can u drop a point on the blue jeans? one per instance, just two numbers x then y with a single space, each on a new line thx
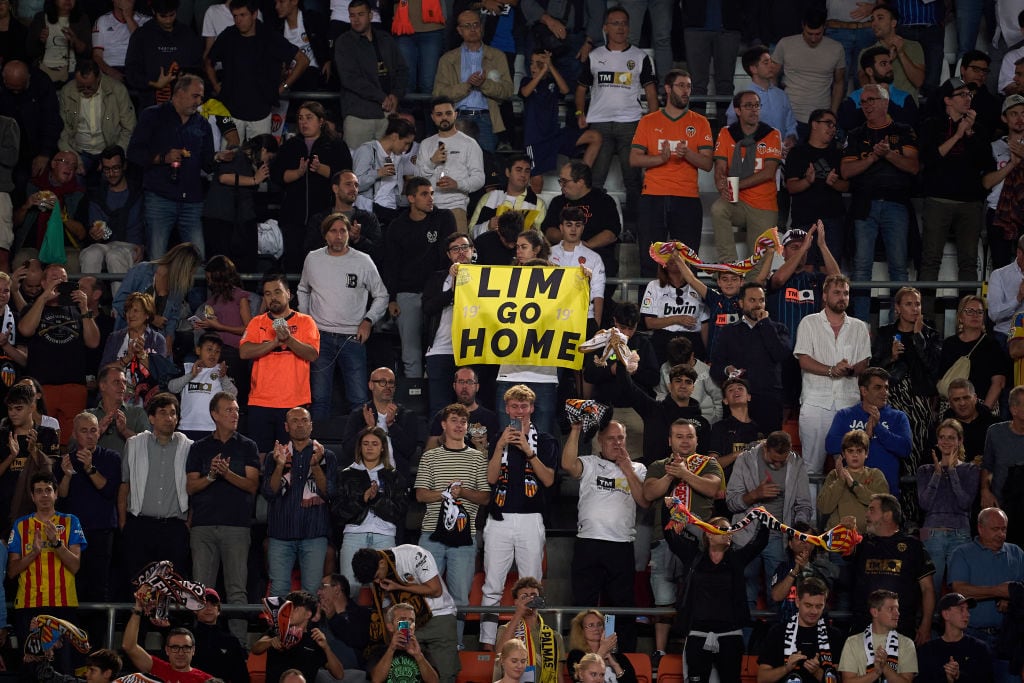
421 52
968 22
853 41
485 129
940 544
890 220
661 29
338 352
544 418
352 543
460 564
163 215
281 556
440 375
768 561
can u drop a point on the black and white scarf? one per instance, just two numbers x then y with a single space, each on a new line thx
824 646
530 488
892 650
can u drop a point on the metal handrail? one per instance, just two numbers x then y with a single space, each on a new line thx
558 611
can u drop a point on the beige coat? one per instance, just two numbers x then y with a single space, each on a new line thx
118 117
448 81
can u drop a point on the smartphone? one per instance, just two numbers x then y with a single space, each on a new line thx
516 424
403 628
609 625
64 290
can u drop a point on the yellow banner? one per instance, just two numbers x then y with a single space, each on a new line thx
520 315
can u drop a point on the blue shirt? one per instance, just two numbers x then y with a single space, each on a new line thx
775 110
94 508
160 130
914 12
722 311
796 299
890 441
471 62
979 566
290 515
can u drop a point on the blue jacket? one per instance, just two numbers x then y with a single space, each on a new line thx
890 442
139 278
158 131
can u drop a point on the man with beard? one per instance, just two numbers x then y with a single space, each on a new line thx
452 161
414 244
974 416
282 344
466 384
397 421
832 348
693 478
754 348
907 56
671 144
876 65
890 559
343 292
517 195
364 231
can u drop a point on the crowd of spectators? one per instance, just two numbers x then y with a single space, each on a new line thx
171 411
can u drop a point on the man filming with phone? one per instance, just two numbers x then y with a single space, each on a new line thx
403 658
544 645
59 328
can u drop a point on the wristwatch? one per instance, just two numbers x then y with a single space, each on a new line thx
91 471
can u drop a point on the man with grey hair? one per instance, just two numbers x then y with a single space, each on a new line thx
982 570
882 161
87 480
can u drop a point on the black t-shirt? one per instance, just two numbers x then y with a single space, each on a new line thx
480 415
222 503
974 659
252 69
895 563
881 180
491 252
819 200
306 656
57 352
404 668
729 435
773 648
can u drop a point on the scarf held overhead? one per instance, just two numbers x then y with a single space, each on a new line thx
838 539
661 253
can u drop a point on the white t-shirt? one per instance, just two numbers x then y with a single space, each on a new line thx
297 37
339 12
112 35
582 256
606 510
195 399
661 302
442 345
415 564
1001 155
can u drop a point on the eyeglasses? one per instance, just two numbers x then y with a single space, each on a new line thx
110 169
562 182
384 382
178 649
751 106
979 69
828 123
722 528
68 162
974 311
870 100
459 248
964 93
465 382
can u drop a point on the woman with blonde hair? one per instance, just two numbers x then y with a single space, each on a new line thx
371 501
588 640
946 490
169 280
512 658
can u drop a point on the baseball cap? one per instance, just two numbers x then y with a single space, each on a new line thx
793 235
210 593
1012 101
954 600
952 85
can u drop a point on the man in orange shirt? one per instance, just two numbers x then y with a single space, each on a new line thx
752 151
671 144
281 344
44 553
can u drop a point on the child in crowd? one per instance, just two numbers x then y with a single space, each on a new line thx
202 379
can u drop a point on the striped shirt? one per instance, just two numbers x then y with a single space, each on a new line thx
441 466
799 297
916 12
46 582
299 510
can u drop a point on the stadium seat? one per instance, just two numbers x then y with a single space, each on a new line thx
477 667
642 665
670 669
748 674
257 666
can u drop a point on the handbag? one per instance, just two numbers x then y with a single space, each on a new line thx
545 40
961 369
